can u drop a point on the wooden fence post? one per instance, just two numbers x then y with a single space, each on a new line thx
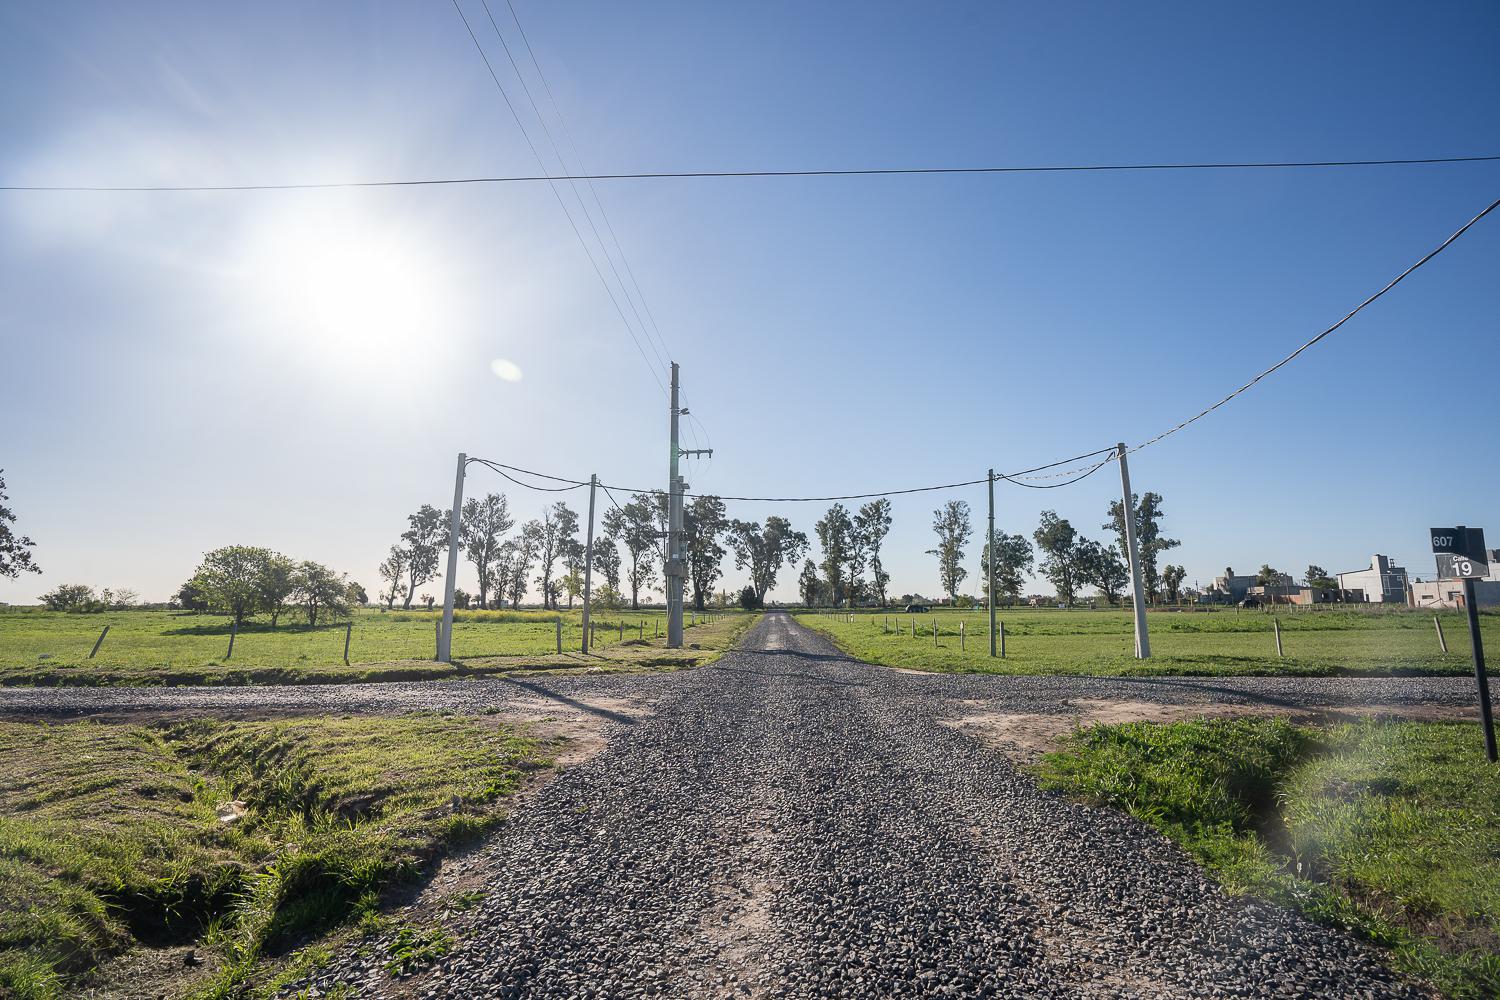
559 635
100 641
1002 640
348 633
1276 627
1442 642
234 630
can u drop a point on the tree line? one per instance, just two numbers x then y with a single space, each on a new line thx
246 581
629 555
851 544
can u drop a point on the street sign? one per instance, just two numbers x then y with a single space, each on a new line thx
1461 554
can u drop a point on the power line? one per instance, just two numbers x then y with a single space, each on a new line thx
1350 315
557 152
582 169
728 174
556 194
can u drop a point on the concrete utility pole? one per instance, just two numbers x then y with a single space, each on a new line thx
675 566
1127 509
992 561
445 633
588 562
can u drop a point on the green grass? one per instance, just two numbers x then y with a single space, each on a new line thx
1215 642
160 647
109 836
1391 830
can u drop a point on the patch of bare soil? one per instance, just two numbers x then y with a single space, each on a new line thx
1025 736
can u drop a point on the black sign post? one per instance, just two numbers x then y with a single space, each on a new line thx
1462 550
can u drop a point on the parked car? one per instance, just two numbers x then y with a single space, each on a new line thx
1250 602
915 609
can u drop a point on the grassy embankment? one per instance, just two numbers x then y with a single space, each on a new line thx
1389 829
1215 642
158 647
111 847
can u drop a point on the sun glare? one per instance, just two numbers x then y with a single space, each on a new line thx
346 286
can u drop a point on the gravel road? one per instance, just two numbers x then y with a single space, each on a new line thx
790 823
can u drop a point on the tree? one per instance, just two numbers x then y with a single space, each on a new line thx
608 597
572 584
703 524
230 578
1102 566
764 550
77 598
634 525
321 591
393 571
835 537
1318 577
950 523
1171 579
15 550
1268 577
461 598
522 551
481 523
559 525
426 537
190 596
355 594
1014 558
607 561
1148 538
809 584
1058 542
274 584
873 523
750 600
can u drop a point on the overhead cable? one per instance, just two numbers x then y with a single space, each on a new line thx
729 174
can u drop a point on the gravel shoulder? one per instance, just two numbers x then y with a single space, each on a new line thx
788 822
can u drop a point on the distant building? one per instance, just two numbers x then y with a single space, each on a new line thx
1383 583
1232 589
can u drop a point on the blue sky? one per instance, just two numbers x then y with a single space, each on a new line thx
298 370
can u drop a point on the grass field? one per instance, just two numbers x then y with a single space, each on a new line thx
1389 829
109 836
161 647
1217 642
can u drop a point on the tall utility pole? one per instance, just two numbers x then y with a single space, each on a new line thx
445 633
1137 584
588 562
991 581
676 486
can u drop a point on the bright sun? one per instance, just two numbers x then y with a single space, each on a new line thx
344 285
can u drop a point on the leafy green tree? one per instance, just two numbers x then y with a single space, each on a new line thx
1102 566
1148 537
634 525
77 598
393 571
426 539
190 596
1057 540
355 594
607 560
608 597
275 583
764 550
572 584
703 524
522 552
1268 577
461 598
750 600
1319 577
321 591
558 536
873 523
482 522
836 540
1014 559
15 550
950 523
1171 579
230 578
809 584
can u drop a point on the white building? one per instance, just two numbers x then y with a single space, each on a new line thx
1450 593
1383 583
